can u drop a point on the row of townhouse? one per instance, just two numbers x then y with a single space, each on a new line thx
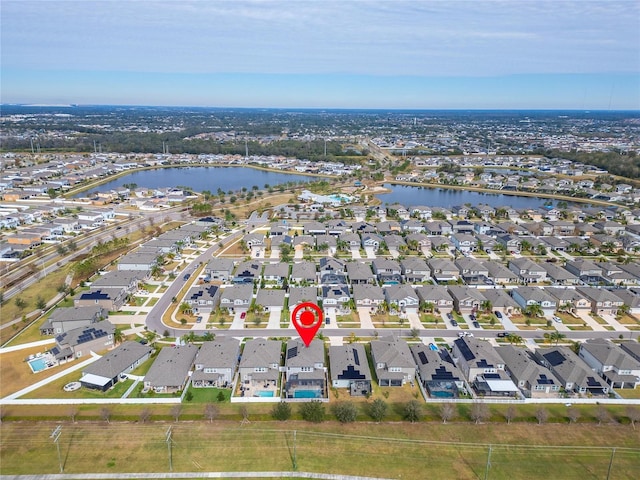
405 299
265 369
547 372
415 270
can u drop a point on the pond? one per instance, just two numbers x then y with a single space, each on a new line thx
201 178
448 198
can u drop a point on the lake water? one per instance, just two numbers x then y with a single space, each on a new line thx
447 198
201 178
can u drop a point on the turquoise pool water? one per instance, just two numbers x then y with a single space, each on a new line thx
38 364
307 394
265 394
441 394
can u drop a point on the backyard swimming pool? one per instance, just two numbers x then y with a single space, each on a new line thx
266 393
38 364
307 394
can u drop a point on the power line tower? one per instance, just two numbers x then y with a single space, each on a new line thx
55 436
169 441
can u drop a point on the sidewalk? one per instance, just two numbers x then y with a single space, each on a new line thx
22 346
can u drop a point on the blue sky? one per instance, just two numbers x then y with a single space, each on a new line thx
325 54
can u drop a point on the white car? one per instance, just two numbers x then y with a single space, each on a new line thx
557 319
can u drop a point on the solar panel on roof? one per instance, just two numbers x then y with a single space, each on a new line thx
465 350
592 382
292 352
554 358
356 359
423 358
491 376
441 373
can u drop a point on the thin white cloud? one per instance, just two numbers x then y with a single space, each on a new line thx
315 37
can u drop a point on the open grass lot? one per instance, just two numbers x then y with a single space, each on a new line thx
379 450
15 374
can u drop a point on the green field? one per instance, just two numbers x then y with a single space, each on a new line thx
391 450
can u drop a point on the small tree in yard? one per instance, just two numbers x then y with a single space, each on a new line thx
176 410
220 397
312 411
73 413
542 415
447 411
41 303
633 414
601 414
145 415
281 411
345 412
479 412
378 410
510 414
413 411
210 412
105 414
573 414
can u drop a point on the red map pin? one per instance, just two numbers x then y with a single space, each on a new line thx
307 318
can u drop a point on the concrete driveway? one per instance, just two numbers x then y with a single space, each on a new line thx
274 317
355 253
275 253
426 252
595 326
394 253
371 252
414 320
365 318
237 323
611 320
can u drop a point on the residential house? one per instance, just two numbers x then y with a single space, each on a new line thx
128 280
610 227
615 275
533 379
372 240
603 302
259 369
618 368
111 299
526 296
387 271
510 243
466 299
393 362
419 240
558 275
247 272
586 270
105 372
169 372
219 269
402 298
439 377
303 273
443 270
203 298
138 260
67 318
275 273
483 367
236 297
415 270
436 295
360 273
298 295
527 271
80 342
216 363
499 274
573 373
569 299
465 242
270 299
502 301
368 296
472 271
395 242
305 373
330 265
336 297
350 369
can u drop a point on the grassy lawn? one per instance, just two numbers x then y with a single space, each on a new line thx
152 301
629 392
208 395
55 389
418 450
627 319
256 320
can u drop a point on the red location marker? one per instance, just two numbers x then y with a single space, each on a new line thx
307 318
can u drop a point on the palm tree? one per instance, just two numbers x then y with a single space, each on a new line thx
557 336
533 310
487 306
118 336
184 307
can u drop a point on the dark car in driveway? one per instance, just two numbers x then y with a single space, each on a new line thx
498 314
